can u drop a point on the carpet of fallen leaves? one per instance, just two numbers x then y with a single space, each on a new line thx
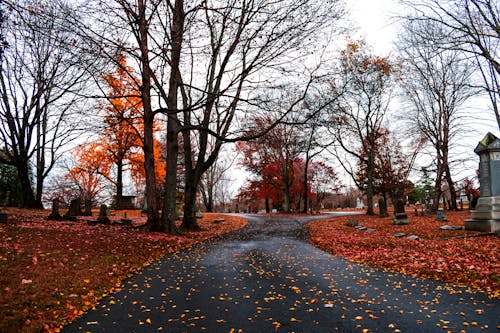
52 271
437 254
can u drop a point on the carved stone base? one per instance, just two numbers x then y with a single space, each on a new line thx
486 216
400 218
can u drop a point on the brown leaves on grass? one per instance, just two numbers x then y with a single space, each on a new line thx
473 262
50 272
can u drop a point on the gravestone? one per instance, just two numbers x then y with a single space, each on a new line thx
440 215
352 222
125 220
124 202
450 227
54 214
74 210
87 207
400 216
103 215
382 206
486 215
4 217
359 203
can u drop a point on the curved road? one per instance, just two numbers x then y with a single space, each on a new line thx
267 278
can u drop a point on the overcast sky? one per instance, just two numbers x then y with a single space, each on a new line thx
374 20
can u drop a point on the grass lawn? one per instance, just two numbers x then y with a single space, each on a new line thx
51 272
468 261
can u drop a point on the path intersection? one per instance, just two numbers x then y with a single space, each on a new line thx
268 278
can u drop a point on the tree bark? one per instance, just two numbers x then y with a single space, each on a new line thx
305 185
153 220
29 200
286 188
369 178
170 191
119 180
189 221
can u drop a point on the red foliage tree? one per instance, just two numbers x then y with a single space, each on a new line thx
391 165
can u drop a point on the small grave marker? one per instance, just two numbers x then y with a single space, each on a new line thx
412 237
103 215
87 207
399 216
125 220
440 215
450 227
399 235
54 214
74 210
352 222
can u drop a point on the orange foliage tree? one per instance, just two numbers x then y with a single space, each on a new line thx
119 146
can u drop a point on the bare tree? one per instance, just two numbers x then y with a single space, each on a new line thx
40 83
314 140
213 183
437 83
202 65
234 51
473 27
358 116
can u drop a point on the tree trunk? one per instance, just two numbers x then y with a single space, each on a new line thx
369 182
40 157
451 187
29 200
170 191
210 205
153 220
192 180
437 192
189 221
305 185
266 203
286 188
119 183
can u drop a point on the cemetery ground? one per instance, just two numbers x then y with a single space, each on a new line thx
462 257
52 271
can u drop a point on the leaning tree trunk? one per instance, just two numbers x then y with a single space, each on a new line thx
449 180
451 187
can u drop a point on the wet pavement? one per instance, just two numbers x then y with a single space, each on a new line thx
268 278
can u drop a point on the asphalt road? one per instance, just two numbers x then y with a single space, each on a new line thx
267 278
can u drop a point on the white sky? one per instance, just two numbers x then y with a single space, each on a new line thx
377 25
374 19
